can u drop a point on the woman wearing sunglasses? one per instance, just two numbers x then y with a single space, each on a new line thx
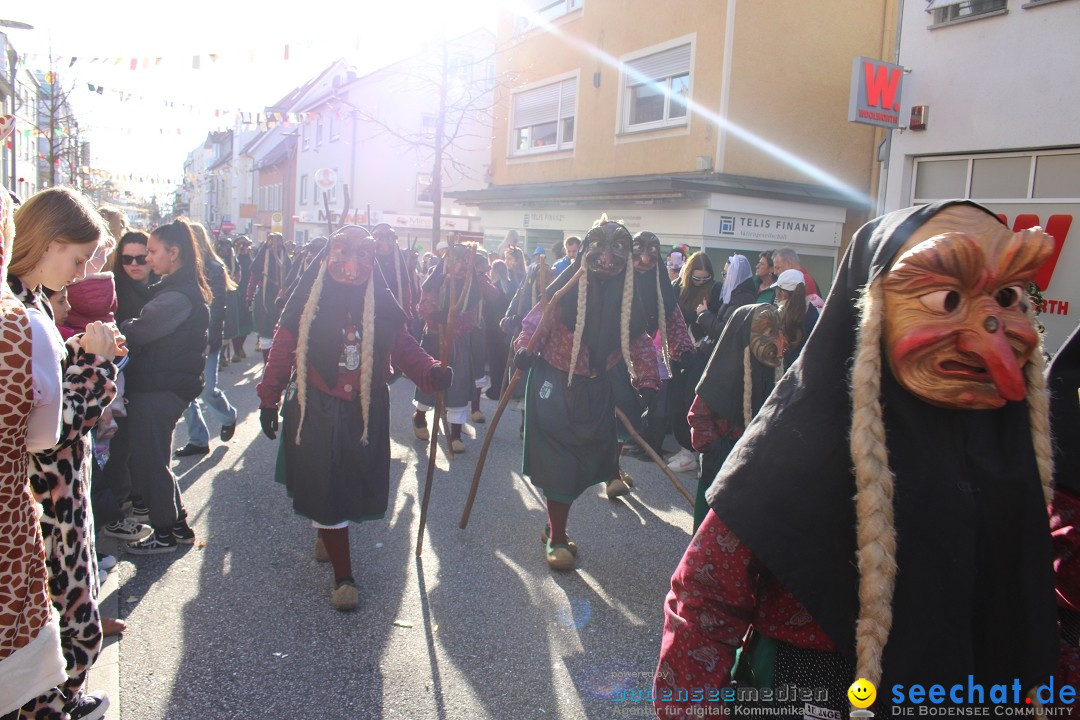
132 274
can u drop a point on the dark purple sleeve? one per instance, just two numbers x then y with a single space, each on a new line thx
413 360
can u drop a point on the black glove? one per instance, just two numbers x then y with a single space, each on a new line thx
442 376
648 398
268 417
523 359
677 366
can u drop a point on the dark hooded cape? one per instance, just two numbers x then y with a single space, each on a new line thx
1063 381
340 305
974 591
603 309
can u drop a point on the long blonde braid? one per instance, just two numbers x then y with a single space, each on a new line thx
747 388
311 307
367 355
661 312
875 485
579 326
624 318
1038 400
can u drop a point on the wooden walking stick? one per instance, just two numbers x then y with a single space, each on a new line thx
530 348
652 453
445 340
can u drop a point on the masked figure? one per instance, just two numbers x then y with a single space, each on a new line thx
339 330
741 373
884 515
570 439
455 274
395 269
655 300
269 273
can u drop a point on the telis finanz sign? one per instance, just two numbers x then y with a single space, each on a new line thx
875 93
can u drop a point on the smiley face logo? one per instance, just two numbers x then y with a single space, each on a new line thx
862 693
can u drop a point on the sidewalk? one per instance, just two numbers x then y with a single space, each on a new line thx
105 674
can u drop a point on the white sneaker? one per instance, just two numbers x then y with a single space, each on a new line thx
683 461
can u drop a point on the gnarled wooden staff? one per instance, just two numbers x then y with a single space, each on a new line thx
445 340
652 453
545 319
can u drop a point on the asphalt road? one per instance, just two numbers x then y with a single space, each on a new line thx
240 625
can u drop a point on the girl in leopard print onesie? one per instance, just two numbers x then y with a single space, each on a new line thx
58 232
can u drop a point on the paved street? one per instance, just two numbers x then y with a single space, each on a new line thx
240 626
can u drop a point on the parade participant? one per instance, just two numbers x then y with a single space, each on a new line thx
478 342
243 260
654 298
395 270
527 295
31 661
857 524
1063 384
338 330
741 373
437 297
269 269
736 290
570 439
305 257
58 234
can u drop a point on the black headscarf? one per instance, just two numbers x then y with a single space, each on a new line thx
603 303
1063 382
974 590
435 283
340 305
721 385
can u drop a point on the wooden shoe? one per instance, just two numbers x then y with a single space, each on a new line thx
320 551
545 537
345 596
478 417
420 429
559 557
457 446
619 486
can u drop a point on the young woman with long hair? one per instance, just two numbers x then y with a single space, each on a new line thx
212 396
59 232
168 355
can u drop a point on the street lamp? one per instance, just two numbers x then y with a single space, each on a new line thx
13 62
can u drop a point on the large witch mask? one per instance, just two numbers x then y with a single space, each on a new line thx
958 326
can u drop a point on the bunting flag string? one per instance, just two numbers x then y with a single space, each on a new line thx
249 55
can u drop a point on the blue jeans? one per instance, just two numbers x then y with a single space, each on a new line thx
213 399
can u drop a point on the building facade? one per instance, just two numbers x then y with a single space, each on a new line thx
1003 131
722 125
377 134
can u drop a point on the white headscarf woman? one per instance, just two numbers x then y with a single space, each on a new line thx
737 272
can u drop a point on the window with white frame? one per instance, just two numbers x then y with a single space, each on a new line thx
332 130
545 11
542 118
303 189
656 88
318 131
947 11
428 124
305 134
1050 175
424 195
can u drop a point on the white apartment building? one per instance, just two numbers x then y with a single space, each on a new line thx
997 80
